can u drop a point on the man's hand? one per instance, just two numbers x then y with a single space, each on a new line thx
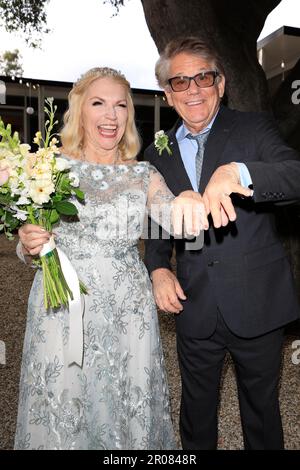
223 182
167 290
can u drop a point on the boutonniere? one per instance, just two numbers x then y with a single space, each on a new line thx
161 142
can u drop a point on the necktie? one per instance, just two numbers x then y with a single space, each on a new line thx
201 140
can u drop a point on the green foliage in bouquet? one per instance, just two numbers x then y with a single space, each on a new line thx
36 188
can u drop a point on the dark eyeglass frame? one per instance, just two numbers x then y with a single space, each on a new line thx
213 73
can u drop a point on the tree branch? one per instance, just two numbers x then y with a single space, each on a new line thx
25 15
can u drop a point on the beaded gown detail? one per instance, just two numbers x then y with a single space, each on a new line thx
119 398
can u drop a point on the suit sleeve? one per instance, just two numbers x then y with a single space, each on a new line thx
158 250
275 172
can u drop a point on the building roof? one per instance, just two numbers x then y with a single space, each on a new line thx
66 85
279 51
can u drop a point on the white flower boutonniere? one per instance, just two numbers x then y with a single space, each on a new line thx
161 142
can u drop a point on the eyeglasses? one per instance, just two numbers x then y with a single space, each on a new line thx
202 80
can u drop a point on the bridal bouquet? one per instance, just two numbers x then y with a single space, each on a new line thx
35 188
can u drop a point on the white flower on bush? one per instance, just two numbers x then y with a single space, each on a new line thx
74 178
62 164
40 190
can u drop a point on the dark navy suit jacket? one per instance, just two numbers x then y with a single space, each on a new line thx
242 269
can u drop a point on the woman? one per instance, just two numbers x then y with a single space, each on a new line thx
118 398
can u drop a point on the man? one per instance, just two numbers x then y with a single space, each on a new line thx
237 293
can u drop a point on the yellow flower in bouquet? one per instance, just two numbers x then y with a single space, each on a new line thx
36 188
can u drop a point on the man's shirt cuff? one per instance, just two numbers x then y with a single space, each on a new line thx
245 177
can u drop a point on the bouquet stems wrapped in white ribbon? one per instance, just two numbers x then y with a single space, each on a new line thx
56 290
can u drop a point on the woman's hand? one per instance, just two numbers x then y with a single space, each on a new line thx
33 237
189 214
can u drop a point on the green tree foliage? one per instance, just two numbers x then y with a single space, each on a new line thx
116 4
26 16
10 64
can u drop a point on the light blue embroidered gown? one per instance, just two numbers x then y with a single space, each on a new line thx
119 398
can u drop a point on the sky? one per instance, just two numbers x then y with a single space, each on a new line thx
87 35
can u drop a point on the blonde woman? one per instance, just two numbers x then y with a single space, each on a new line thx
117 397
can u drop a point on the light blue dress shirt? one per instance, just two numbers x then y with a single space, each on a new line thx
245 177
188 150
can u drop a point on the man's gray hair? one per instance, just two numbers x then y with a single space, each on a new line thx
191 45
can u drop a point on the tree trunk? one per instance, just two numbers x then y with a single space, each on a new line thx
231 27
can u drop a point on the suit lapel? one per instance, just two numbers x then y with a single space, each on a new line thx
174 164
215 144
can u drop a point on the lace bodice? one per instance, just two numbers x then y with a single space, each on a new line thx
118 199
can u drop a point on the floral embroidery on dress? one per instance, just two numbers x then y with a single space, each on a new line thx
119 398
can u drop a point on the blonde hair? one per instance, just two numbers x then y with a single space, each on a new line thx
191 45
72 133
